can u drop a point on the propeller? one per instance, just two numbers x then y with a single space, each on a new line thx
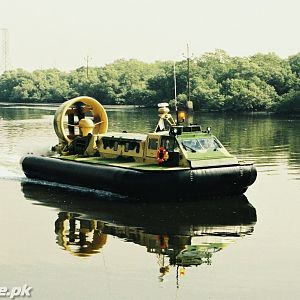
69 114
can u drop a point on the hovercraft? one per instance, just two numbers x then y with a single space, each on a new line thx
173 162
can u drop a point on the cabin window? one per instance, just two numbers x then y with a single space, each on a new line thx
210 144
137 150
169 143
126 147
111 144
194 145
115 145
152 144
105 143
130 146
108 143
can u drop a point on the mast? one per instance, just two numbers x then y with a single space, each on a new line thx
87 59
188 58
175 95
188 71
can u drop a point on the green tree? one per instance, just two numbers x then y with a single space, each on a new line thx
274 71
206 94
294 61
243 95
215 64
51 85
11 83
289 103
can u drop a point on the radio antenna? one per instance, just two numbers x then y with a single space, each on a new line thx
175 94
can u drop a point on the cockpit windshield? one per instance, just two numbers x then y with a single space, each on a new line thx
197 144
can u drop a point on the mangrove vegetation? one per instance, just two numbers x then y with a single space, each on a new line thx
218 82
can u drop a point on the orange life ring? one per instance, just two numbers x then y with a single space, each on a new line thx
162 155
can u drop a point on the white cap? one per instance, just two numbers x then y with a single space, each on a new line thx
164 104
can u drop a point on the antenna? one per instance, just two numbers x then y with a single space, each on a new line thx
188 73
87 59
5 49
188 58
175 94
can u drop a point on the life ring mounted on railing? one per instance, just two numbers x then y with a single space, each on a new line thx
162 155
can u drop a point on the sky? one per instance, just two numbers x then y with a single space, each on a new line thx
62 33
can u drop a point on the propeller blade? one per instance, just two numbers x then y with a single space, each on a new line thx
98 123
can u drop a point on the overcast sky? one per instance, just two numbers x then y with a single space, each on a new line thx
61 33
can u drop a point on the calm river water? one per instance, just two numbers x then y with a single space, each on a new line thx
70 243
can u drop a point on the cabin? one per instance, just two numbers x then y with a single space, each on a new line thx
179 146
143 148
171 144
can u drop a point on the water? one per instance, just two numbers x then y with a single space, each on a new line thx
71 243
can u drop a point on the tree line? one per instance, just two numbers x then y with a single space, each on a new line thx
218 82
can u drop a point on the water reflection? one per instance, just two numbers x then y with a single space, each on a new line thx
180 234
79 236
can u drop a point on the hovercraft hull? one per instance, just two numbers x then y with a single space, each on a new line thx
167 185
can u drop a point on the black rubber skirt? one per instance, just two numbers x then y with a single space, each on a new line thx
167 185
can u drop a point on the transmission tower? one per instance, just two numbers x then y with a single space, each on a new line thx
4 66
